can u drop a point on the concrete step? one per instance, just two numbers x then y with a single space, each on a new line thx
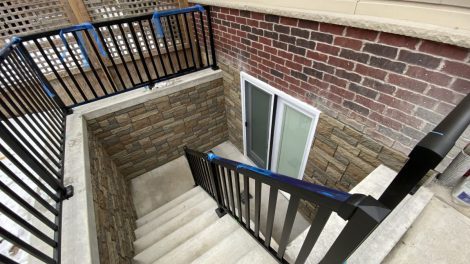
230 249
164 208
258 256
171 241
197 245
207 205
170 214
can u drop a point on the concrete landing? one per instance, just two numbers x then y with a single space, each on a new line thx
161 185
441 234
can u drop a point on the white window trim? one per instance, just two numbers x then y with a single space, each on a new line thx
292 101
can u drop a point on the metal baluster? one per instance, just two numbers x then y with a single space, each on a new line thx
111 58
27 158
152 59
175 48
157 46
257 206
139 50
24 121
25 246
273 191
131 53
23 223
211 38
102 65
288 223
35 81
181 40
224 187
314 232
31 137
36 72
93 70
27 189
18 199
123 61
238 196
79 67
230 188
56 74
190 42
36 93
27 173
247 201
197 42
204 37
66 68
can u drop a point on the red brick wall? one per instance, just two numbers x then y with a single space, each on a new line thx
392 88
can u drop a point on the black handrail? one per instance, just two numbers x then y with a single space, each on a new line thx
428 153
223 179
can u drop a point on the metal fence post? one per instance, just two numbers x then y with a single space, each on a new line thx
211 37
367 216
217 189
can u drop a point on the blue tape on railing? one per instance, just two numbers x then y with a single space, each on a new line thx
211 156
335 194
158 14
81 41
15 40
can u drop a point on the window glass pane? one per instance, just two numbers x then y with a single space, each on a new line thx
294 135
259 115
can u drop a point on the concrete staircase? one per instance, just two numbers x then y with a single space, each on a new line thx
187 230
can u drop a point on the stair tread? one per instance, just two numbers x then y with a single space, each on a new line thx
201 242
171 204
178 222
170 214
176 238
230 249
258 256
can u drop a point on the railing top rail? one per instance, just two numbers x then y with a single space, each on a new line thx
127 19
342 203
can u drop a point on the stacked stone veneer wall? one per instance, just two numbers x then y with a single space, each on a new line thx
145 136
391 88
114 211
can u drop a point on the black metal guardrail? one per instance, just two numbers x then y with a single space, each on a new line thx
110 57
96 61
228 182
32 132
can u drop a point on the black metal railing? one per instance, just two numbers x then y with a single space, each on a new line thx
119 55
228 182
44 75
428 153
32 132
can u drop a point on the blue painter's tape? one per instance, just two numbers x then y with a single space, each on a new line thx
158 14
437 133
211 156
15 40
81 41
334 194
